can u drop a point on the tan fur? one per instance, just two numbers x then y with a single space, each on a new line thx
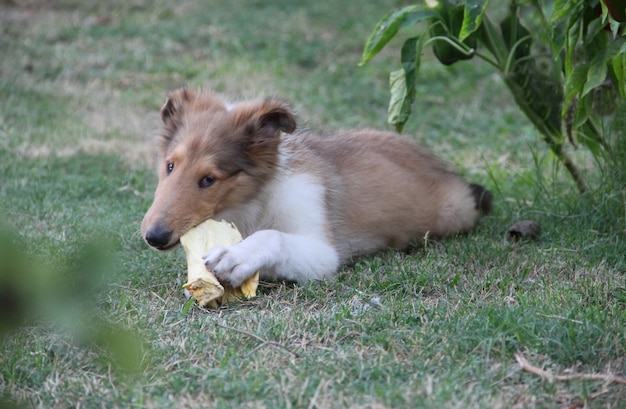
386 192
379 190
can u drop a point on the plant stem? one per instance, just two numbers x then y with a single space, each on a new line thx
523 95
570 166
486 58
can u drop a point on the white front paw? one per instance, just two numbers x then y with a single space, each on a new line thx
230 265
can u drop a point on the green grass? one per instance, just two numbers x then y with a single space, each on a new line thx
93 318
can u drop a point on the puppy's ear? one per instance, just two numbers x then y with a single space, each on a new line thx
268 120
277 119
172 109
172 113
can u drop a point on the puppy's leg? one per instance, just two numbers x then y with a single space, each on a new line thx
277 255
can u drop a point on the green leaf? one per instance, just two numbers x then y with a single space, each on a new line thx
402 83
387 28
585 136
596 74
399 103
558 34
562 8
472 17
594 27
574 85
410 54
583 110
565 25
616 27
618 69
417 16
598 67
571 40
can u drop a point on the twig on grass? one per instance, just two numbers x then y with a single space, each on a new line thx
608 378
262 341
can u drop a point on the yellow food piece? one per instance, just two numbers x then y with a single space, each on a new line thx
202 283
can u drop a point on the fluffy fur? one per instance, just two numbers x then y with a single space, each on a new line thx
304 203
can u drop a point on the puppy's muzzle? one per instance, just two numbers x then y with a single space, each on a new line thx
159 237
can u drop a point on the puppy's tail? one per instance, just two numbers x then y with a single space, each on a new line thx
482 197
462 207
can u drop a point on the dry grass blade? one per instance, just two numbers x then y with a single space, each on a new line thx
608 378
559 318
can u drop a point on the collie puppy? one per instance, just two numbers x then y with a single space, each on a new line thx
304 203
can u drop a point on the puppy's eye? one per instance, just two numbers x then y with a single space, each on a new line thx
169 167
206 181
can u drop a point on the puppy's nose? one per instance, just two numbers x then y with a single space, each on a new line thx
158 237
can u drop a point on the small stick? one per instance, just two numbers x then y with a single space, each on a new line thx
608 378
263 341
526 366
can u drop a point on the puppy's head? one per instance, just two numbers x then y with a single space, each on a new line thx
214 157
